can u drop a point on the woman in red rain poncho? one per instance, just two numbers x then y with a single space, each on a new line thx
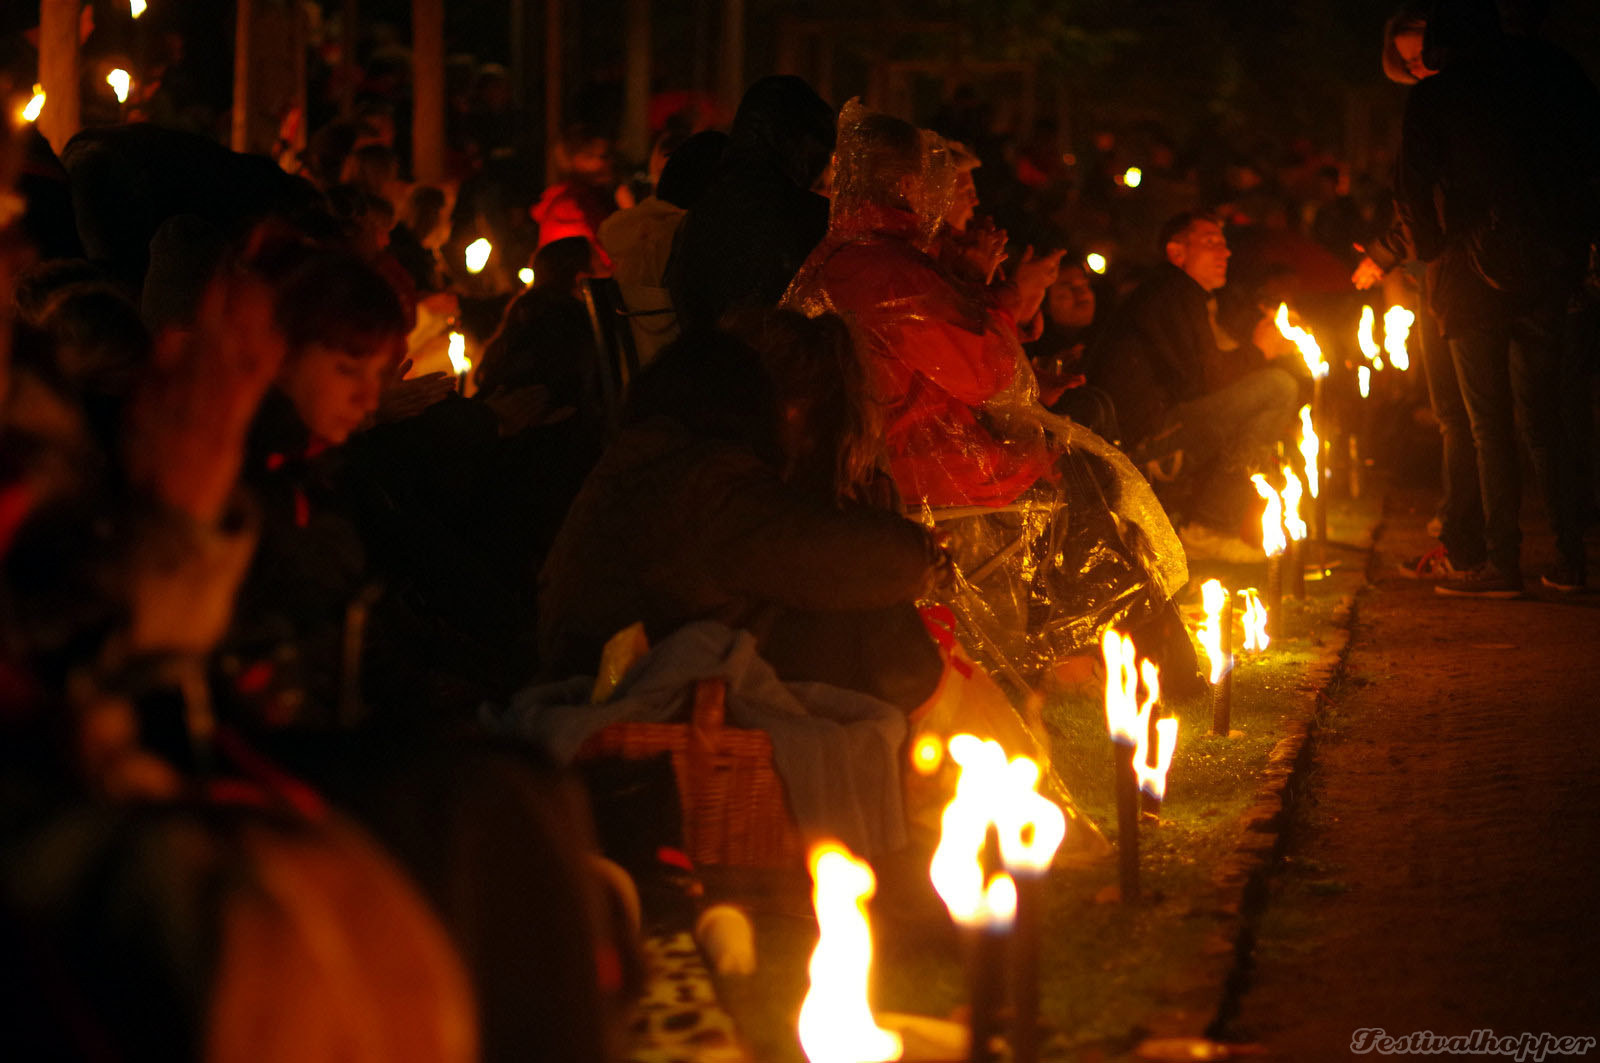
963 427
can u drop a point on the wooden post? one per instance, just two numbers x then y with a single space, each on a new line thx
58 70
244 104
350 35
552 86
635 140
427 90
731 83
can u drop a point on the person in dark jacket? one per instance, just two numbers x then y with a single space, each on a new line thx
688 517
1496 188
743 242
1182 385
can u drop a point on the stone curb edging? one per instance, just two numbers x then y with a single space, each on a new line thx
1242 878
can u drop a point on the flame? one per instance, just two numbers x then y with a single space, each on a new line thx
1212 595
1397 321
525 275
1031 826
1133 177
1369 345
137 7
120 83
1364 380
927 753
1272 540
478 255
1255 621
1095 261
459 362
1310 451
1122 683
957 869
31 109
1292 493
1310 351
836 1023
1153 777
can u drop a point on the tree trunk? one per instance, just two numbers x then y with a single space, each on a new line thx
732 81
635 141
427 90
552 86
58 70
244 104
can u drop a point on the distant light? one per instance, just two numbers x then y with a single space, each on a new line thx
137 6
478 255
1133 177
120 83
1070 159
459 362
1095 261
1364 380
525 275
30 111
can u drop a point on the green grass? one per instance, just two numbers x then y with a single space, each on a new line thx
1106 967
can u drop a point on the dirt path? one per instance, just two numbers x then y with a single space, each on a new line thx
1442 875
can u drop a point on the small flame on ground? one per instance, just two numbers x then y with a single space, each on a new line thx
137 7
1272 540
1397 322
1292 493
120 83
1364 336
1153 777
525 275
1212 595
1133 177
1095 261
957 869
478 255
31 109
1255 621
1122 685
1030 825
836 1023
1310 350
1310 451
459 362
1364 380
927 753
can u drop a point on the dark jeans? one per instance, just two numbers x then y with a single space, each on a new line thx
1221 435
1512 375
1461 508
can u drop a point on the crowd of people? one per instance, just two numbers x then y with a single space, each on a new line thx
302 630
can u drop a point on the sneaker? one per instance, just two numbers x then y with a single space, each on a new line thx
1485 581
1435 564
1207 544
1566 578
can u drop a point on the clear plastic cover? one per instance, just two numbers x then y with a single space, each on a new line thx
1055 533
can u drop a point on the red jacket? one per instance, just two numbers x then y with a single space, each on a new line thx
934 352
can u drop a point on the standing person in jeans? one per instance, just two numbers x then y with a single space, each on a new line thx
1459 517
1495 183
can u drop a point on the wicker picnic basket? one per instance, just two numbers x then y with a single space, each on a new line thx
734 809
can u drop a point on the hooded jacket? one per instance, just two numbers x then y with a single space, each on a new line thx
1499 159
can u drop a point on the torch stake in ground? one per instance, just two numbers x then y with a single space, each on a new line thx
1222 689
1127 785
1025 968
1275 595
